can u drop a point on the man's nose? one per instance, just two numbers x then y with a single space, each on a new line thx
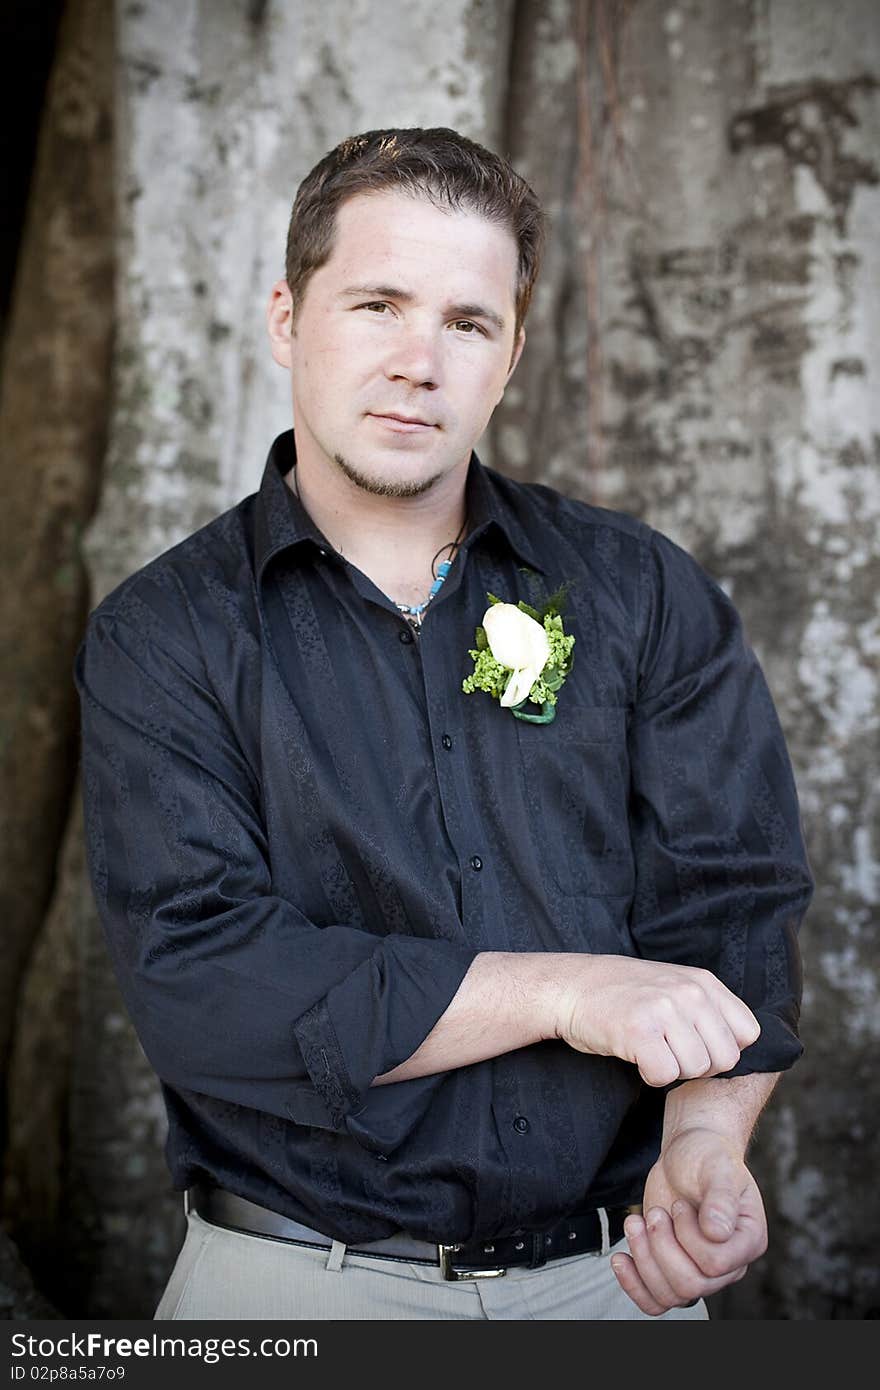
415 357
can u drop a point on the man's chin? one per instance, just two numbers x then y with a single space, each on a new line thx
379 486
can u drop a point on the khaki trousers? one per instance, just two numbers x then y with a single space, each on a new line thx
227 1275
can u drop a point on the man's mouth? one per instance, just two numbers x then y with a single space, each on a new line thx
405 424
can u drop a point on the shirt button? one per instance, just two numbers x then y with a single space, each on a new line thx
405 635
476 862
446 741
521 1124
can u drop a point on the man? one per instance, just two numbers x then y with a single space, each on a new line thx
456 1014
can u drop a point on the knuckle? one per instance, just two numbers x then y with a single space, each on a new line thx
662 1010
706 981
714 1264
644 1029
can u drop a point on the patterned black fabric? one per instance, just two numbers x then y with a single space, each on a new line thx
300 833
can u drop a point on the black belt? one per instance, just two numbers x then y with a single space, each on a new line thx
572 1235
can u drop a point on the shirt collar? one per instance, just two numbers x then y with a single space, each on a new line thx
283 523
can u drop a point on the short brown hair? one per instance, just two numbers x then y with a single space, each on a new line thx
438 164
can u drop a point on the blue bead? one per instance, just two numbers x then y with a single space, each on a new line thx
444 567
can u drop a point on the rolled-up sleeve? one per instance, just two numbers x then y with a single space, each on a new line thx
722 873
233 992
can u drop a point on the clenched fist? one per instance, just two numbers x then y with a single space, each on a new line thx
673 1021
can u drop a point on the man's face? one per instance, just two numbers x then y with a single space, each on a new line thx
412 316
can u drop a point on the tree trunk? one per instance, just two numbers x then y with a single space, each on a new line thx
740 328
53 416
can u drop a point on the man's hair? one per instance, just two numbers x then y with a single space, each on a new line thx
452 172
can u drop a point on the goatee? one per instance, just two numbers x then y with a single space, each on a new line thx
380 487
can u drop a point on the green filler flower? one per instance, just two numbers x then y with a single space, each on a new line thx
522 656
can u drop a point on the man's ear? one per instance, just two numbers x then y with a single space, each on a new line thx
517 354
279 320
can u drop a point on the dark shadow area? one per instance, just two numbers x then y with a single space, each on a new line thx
28 32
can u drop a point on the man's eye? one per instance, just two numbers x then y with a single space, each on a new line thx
465 324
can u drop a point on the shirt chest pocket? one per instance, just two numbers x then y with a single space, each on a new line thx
576 779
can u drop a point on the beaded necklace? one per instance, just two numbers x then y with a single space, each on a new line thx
414 613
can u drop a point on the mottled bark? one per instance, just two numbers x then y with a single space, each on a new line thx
542 419
740 325
53 413
53 409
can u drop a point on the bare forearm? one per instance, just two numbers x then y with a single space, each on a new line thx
670 1020
728 1105
505 1001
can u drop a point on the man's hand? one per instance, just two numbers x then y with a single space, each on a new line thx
704 1224
672 1021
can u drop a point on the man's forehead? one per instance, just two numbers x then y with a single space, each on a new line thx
408 226
398 215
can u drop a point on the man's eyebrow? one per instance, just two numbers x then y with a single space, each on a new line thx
464 311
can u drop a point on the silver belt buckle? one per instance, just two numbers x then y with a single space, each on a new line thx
448 1270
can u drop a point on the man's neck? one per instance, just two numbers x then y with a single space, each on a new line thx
393 540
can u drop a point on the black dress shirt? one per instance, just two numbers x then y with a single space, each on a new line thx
301 831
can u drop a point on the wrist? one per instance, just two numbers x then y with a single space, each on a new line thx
728 1107
541 981
572 979
700 1143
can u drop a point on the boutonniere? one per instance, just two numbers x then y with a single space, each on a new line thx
522 656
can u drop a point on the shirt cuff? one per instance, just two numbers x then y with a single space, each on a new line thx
376 1018
777 1049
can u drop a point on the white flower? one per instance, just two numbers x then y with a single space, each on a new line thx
518 642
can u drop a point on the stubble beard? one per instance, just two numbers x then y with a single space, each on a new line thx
381 487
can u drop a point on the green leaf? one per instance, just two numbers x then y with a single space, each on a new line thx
527 608
482 639
493 598
556 602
